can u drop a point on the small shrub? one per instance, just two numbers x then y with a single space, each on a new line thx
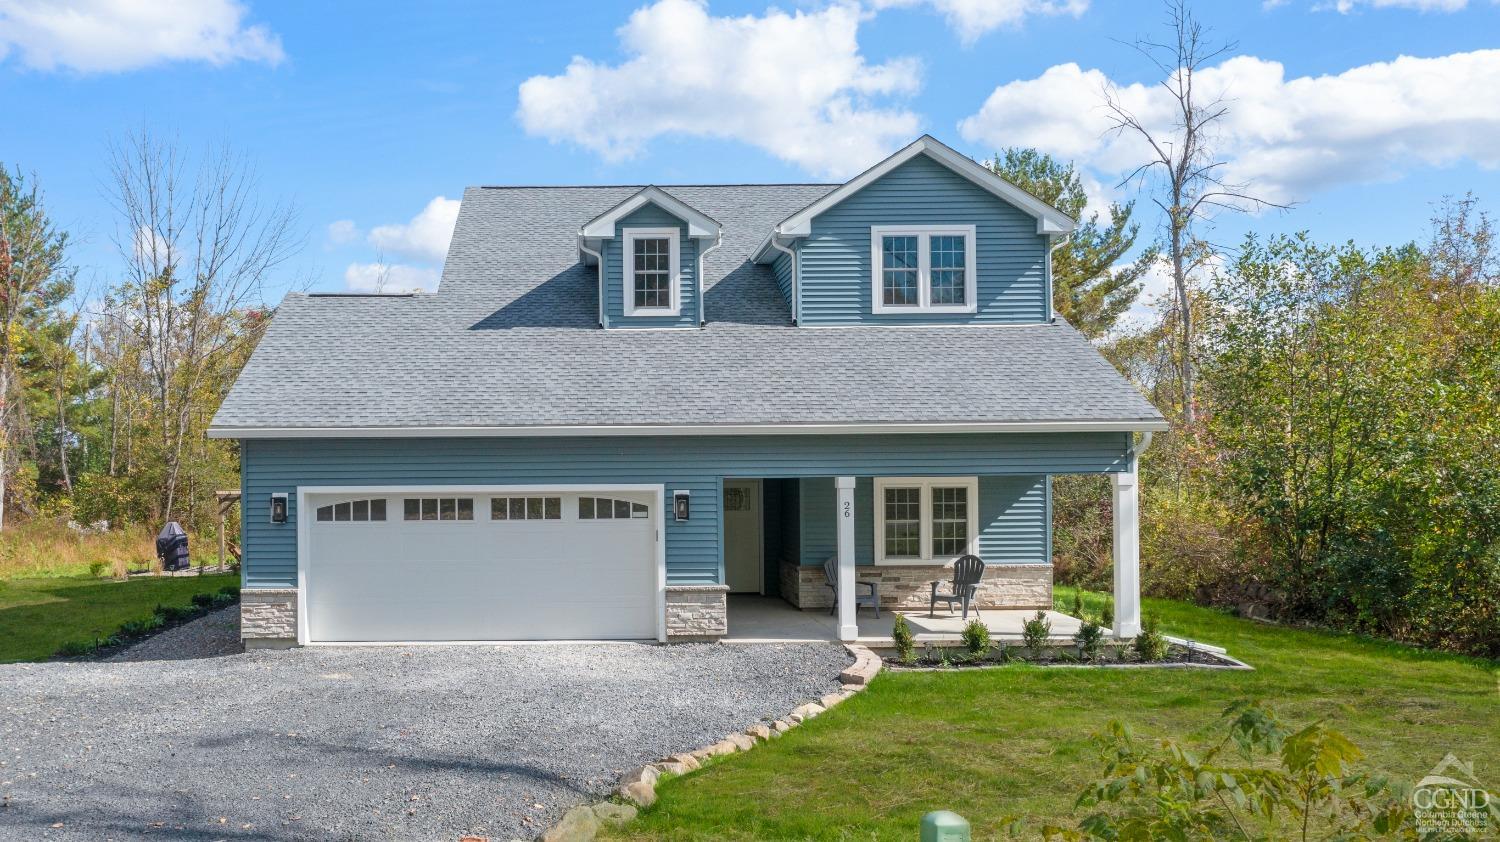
1035 633
976 637
203 600
1090 638
97 568
231 590
901 634
220 600
133 628
1150 645
172 614
75 649
1107 613
1078 603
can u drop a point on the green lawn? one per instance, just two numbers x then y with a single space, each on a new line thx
39 615
1015 740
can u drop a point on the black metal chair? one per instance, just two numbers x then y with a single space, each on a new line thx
871 599
967 571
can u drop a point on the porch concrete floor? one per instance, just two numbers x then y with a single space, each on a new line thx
761 619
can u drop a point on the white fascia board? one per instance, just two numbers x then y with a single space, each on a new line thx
699 224
1120 426
1049 220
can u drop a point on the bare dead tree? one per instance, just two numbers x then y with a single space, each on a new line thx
1183 170
198 249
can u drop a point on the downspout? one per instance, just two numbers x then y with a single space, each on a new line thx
1056 242
718 241
796 284
1137 448
598 261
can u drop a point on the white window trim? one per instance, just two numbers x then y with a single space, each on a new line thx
924 234
925 542
628 237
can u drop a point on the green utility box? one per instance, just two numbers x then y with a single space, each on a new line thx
944 826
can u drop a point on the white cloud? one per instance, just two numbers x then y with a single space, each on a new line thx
1344 7
1286 137
390 277
973 18
794 85
425 237
97 36
342 232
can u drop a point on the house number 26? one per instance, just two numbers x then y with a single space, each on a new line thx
848 509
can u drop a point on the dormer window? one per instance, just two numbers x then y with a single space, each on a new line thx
922 268
652 271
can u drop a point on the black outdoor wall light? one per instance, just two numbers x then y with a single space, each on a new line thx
680 507
278 508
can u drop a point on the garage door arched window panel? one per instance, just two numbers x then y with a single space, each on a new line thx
609 508
438 508
525 508
353 511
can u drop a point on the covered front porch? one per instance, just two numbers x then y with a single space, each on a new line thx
802 554
770 619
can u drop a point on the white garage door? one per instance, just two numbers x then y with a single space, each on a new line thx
444 566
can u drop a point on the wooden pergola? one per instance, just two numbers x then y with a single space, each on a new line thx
227 501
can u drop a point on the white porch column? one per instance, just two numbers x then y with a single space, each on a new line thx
1127 552
848 624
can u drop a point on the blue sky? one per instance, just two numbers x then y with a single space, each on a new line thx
373 117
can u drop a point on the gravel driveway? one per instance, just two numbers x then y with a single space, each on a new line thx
364 743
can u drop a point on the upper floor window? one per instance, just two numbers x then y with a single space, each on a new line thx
922 268
652 267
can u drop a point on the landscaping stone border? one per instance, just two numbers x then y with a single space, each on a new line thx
637 788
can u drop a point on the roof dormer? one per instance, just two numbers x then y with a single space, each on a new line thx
649 249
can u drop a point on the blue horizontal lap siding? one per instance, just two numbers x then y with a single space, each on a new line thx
1014 520
836 261
692 463
650 216
782 266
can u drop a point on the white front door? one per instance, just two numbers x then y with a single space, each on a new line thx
743 566
433 565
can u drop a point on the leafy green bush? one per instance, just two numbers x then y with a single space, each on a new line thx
1287 785
203 600
1150 645
1090 639
1078 603
901 634
221 600
1035 634
172 614
976 637
1107 613
231 590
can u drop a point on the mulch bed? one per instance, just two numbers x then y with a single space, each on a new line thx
1178 656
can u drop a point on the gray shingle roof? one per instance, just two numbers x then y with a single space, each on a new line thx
511 339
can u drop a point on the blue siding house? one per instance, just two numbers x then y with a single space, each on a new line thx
625 406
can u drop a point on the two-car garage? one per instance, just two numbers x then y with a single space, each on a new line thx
502 563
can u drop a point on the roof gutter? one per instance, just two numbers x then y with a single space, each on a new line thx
796 301
555 431
599 262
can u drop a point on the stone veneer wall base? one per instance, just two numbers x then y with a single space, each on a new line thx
268 618
1027 586
697 613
